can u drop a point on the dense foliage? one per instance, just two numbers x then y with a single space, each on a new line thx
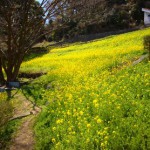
6 112
93 97
97 16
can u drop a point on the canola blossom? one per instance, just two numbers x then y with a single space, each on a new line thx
97 99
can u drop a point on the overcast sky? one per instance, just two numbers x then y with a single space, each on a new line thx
39 0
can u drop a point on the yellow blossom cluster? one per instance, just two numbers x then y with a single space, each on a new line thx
98 99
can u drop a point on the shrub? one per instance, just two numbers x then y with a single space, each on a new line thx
5 110
5 114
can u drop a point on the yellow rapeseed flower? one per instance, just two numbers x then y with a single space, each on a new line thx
53 140
88 125
99 121
81 113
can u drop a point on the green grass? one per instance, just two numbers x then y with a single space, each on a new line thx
6 133
7 128
92 96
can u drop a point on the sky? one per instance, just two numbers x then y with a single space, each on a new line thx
39 1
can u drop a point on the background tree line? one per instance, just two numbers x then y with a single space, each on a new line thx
90 17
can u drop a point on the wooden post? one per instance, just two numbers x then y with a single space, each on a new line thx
147 44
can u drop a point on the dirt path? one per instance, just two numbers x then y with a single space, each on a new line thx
24 110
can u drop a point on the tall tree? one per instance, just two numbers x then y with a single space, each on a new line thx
21 23
95 16
78 15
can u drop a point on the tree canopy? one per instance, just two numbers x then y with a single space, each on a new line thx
88 17
22 23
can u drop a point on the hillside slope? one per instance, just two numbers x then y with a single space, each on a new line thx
92 97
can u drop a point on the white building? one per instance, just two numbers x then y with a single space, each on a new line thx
146 16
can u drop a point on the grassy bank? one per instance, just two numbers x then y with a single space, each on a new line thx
92 97
7 128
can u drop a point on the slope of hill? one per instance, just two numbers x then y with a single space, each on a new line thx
92 97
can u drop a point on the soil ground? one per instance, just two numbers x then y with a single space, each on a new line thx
24 110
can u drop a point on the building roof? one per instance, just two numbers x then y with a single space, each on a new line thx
146 10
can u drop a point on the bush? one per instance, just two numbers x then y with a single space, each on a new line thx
147 44
5 110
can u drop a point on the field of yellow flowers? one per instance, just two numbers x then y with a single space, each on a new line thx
92 97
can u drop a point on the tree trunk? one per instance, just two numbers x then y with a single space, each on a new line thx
13 71
2 80
9 76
